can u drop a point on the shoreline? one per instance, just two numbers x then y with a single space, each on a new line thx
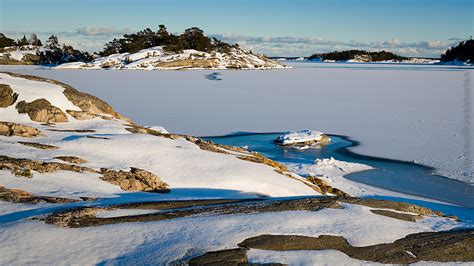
348 152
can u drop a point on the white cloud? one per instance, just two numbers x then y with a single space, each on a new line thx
101 31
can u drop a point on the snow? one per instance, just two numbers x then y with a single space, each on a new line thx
333 171
180 163
122 212
189 100
300 137
150 59
27 241
29 91
159 129
17 53
304 257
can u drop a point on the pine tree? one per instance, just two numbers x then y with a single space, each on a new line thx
34 40
53 43
5 41
22 41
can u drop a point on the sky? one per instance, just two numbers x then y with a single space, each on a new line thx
273 27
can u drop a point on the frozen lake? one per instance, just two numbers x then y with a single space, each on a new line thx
405 112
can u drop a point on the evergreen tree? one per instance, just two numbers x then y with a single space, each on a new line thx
53 43
34 40
5 41
464 51
22 41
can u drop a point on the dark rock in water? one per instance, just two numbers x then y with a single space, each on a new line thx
7 96
13 129
237 256
135 180
41 110
445 246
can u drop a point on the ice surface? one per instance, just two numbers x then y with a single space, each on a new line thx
406 112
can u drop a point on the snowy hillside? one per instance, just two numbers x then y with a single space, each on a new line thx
157 58
82 184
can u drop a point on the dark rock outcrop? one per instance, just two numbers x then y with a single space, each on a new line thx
7 96
13 129
20 196
237 256
178 209
41 110
446 246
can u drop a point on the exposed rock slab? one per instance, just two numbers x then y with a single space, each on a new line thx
20 196
397 215
39 145
237 256
134 180
446 246
41 110
13 129
71 159
7 96
178 209
14 164
72 130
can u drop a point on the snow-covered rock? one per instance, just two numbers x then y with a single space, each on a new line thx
157 58
105 140
303 137
26 54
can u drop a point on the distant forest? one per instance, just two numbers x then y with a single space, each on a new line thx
352 54
464 51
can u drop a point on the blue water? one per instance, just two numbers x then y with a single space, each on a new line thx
399 176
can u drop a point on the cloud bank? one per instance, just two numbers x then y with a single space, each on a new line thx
305 46
93 39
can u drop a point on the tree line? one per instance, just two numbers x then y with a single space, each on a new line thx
191 38
352 54
464 51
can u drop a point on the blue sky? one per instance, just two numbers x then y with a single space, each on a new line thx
274 27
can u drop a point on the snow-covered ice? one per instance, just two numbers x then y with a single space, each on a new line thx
405 112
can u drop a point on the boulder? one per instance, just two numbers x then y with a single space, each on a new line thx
134 180
41 110
7 96
13 129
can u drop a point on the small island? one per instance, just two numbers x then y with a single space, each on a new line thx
146 49
303 139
